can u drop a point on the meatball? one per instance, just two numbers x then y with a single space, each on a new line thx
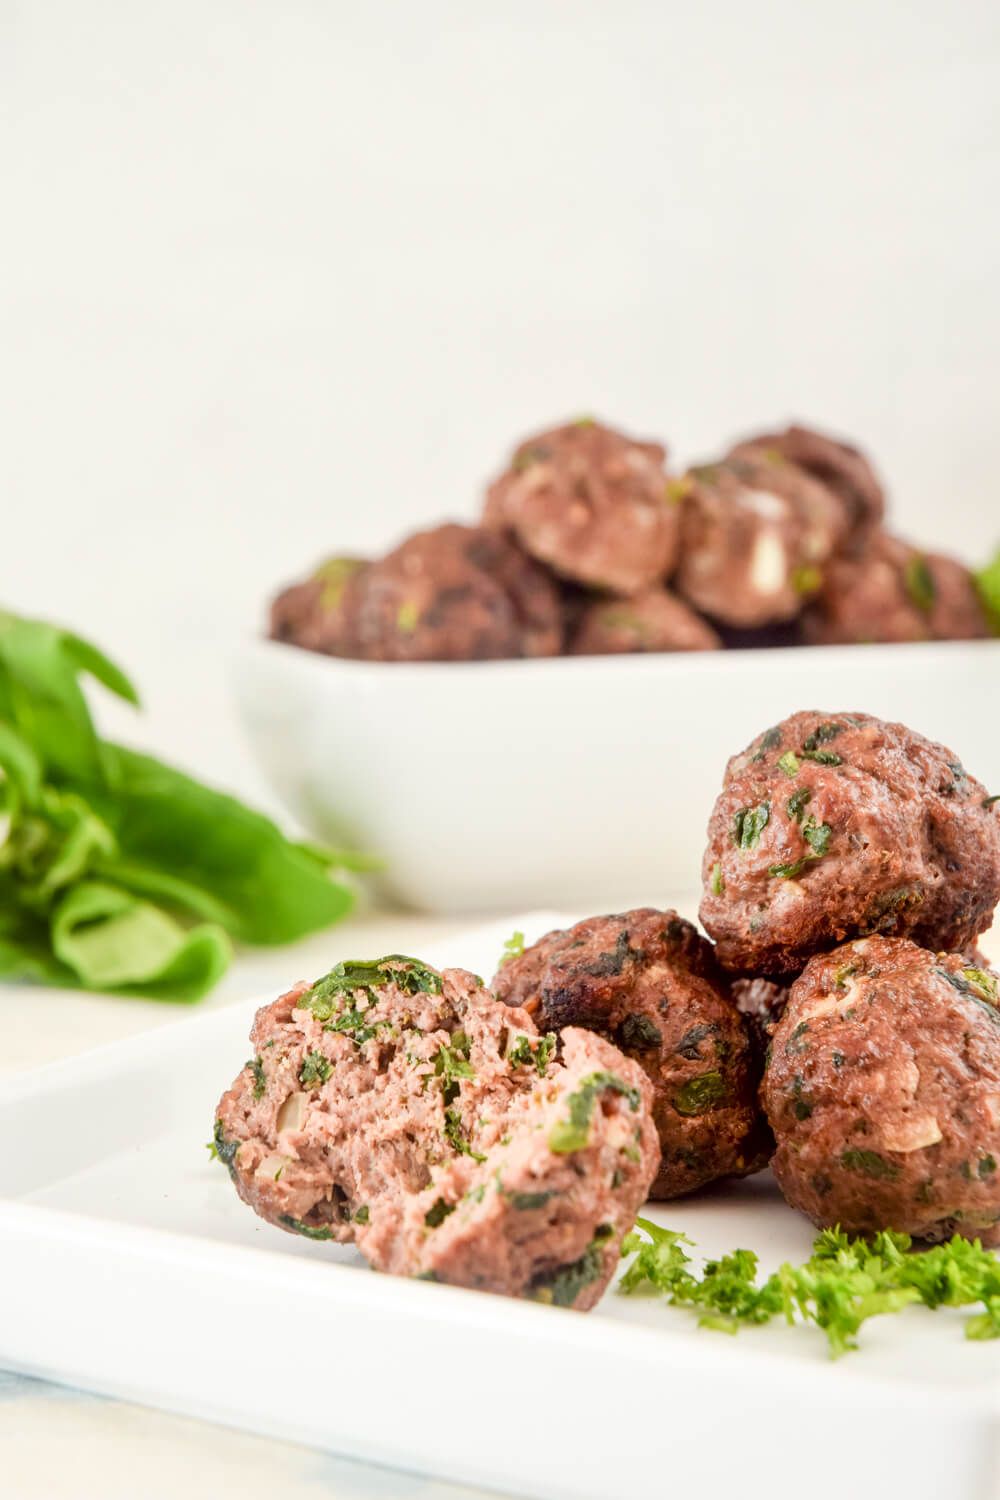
652 621
647 981
893 592
409 1112
831 826
592 504
455 593
754 536
883 1091
838 465
315 613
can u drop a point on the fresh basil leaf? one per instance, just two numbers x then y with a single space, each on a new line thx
270 890
111 940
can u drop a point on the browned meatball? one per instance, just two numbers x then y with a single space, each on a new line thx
455 593
655 620
316 613
883 1091
838 465
409 1112
646 980
892 592
594 505
754 536
832 826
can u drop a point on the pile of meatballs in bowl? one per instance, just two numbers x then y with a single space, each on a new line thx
588 545
837 1023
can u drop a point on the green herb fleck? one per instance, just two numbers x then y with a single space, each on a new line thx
407 617
438 1212
919 582
562 1288
256 1067
363 1214
870 1164
822 757
790 763
797 803
699 1095
455 1135
716 881
311 1231
748 825
521 1054
314 1070
573 1133
639 1032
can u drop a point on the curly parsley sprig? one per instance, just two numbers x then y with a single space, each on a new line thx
844 1282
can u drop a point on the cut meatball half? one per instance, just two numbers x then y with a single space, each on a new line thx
594 505
648 982
754 538
409 1112
883 1091
831 826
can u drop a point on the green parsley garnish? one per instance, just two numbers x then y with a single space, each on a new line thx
843 1283
512 948
573 1133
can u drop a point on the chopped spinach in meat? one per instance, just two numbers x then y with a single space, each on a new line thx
521 1054
573 1133
699 1095
314 1070
869 1163
561 1288
748 825
256 1067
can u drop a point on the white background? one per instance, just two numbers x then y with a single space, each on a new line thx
286 278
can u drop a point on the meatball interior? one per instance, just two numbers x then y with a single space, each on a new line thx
831 826
648 981
883 1091
594 505
410 1112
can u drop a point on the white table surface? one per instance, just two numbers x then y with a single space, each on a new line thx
62 1444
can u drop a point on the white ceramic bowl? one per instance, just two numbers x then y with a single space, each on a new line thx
581 782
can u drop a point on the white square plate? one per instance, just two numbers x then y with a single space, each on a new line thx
128 1266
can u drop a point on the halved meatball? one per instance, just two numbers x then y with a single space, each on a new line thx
454 593
893 592
648 982
591 503
754 537
316 613
654 620
832 826
838 465
883 1091
410 1112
